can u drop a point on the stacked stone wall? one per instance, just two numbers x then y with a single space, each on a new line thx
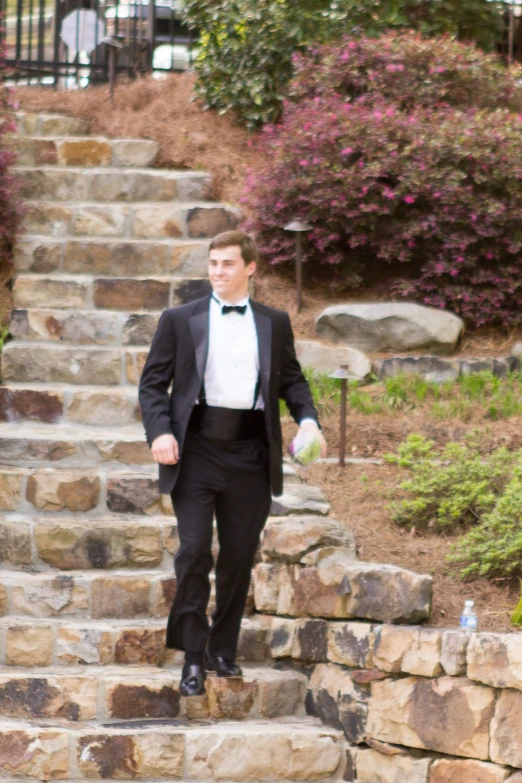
417 704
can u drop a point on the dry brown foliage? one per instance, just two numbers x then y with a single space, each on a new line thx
164 110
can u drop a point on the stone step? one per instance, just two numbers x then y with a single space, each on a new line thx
114 693
101 184
98 595
71 404
38 544
51 363
34 124
94 595
127 256
72 446
65 641
84 327
83 151
92 292
103 492
282 749
95 406
195 220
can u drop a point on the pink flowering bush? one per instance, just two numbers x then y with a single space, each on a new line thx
429 197
407 69
10 205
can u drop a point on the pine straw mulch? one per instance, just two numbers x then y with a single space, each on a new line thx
165 110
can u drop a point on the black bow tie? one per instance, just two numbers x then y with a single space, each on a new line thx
241 309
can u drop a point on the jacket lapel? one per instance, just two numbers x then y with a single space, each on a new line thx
264 340
199 324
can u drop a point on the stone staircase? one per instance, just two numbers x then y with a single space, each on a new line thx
87 689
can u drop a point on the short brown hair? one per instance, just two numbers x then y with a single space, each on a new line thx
244 242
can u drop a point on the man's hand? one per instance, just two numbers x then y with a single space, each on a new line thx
311 426
165 450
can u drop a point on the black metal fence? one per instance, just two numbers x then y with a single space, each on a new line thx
77 42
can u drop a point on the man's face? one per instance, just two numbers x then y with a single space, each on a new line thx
228 273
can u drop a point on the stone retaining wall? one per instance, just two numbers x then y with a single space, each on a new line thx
417 704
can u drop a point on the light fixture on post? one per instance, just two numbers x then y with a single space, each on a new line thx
344 375
299 227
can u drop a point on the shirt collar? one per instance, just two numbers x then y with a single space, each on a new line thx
217 300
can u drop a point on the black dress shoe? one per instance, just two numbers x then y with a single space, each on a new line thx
193 678
223 667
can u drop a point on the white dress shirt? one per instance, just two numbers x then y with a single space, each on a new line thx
232 369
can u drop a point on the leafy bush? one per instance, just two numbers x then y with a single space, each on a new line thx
245 60
406 69
494 547
437 190
450 489
461 488
10 205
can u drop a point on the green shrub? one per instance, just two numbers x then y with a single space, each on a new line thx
494 546
450 489
458 488
247 46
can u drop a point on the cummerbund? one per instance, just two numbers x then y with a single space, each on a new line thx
227 423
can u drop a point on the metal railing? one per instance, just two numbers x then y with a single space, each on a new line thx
142 35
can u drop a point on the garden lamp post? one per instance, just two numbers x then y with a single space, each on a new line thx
299 227
344 375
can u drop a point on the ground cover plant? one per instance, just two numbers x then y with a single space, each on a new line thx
461 489
247 46
421 194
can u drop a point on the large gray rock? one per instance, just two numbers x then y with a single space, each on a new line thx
330 583
327 358
391 326
290 539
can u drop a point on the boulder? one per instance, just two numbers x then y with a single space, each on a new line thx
430 367
300 499
453 653
467 771
506 729
375 767
338 701
325 359
449 715
391 326
351 643
290 539
496 659
331 584
500 367
408 649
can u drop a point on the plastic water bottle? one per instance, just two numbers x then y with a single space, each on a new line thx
468 618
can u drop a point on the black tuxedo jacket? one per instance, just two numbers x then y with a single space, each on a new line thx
178 354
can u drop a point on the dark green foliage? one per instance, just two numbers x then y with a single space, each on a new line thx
461 489
247 46
451 488
494 546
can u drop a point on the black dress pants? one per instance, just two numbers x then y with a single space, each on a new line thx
228 479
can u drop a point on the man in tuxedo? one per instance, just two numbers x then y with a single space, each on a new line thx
217 439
